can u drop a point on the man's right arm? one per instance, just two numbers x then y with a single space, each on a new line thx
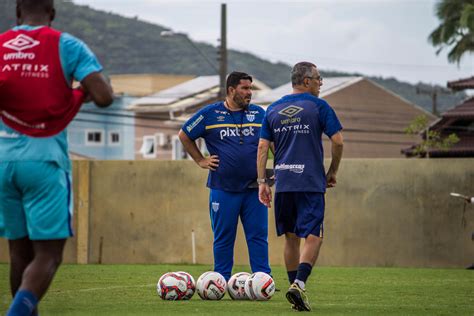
211 162
264 191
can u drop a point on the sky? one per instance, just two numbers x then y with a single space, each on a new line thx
387 38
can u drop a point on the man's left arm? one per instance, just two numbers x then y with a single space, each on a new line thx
337 145
80 63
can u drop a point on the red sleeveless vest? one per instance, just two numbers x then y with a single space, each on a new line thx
35 98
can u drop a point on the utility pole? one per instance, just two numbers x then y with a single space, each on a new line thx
433 92
223 52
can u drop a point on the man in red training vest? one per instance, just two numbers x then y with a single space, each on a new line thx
37 102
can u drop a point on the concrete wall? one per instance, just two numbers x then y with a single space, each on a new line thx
384 212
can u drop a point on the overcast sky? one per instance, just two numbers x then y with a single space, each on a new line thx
374 37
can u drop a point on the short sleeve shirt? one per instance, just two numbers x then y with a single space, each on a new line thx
233 136
295 124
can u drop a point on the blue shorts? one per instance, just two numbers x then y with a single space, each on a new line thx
35 200
301 213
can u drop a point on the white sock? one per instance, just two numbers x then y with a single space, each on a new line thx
300 283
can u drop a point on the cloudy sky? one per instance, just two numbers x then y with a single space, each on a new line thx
375 37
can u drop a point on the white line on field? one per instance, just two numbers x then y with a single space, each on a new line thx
106 288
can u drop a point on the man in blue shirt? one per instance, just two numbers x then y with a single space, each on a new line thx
35 182
295 125
231 132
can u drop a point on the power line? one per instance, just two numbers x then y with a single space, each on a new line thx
356 62
288 54
352 130
115 123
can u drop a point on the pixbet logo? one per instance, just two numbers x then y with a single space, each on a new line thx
236 132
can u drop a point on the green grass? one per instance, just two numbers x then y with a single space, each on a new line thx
131 290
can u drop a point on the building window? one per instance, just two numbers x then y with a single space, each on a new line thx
178 152
148 149
161 139
94 137
114 138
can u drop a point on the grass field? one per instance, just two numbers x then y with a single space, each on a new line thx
131 290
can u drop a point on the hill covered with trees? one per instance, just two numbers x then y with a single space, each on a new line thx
129 45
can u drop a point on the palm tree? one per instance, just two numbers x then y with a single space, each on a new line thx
456 30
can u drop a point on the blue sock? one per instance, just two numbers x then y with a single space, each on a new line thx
304 270
291 276
23 304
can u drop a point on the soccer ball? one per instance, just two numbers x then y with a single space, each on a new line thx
259 286
191 285
172 286
236 286
211 286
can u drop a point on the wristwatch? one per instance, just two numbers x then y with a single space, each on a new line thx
262 181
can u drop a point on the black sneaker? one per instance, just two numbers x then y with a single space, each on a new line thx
297 297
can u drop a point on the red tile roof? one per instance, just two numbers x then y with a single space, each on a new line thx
462 84
459 120
464 110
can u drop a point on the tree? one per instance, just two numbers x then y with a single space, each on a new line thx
456 31
431 139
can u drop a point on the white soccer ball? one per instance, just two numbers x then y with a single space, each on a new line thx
191 285
172 286
236 286
259 286
211 286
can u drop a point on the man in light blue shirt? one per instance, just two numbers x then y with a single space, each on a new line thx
35 182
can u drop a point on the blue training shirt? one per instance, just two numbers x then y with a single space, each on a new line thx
78 62
295 124
222 131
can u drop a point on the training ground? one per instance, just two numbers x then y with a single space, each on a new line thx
131 290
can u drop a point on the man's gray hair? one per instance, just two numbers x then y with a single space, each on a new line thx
300 71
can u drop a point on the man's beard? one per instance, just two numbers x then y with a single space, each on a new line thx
240 101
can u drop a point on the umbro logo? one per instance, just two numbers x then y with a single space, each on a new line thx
21 42
291 111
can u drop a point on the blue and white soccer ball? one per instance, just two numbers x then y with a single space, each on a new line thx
259 286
